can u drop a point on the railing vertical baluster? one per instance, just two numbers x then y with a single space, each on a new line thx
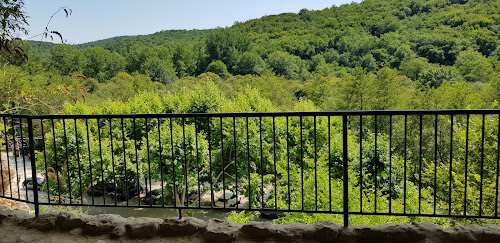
21 152
420 167
67 160
149 161
186 188
288 161
113 158
78 162
361 163
160 163
274 159
248 168
498 166
482 169
55 160
136 164
90 160
261 168
222 161
103 181
466 162
451 164
405 160
435 160
301 165
235 163
126 191
390 163
345 170
15 156
330 165
33 166
197 160
375 163
7 169
315 165
7 156
209 163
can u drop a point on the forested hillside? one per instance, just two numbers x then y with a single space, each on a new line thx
378 54
375 55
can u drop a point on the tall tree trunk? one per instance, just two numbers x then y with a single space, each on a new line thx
181 201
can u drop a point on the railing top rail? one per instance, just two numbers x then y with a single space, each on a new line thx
264 114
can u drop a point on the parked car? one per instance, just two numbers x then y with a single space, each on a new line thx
151 197
19 147
229 199
28 183
23 148
192 196
123 196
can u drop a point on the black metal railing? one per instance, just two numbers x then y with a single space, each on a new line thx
436 163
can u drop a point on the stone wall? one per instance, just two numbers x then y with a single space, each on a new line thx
216 230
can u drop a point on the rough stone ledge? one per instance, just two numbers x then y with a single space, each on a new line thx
217 230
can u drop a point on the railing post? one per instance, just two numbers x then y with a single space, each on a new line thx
33 165
345 163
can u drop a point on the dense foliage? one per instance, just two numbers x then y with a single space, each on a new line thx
278 162
372 55
375 55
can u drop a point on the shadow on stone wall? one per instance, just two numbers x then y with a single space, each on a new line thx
216 230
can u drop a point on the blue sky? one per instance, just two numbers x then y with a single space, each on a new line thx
94 20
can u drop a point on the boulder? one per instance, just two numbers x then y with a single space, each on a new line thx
69 221
219 230
388 233
118 231
174 227
324 231
102 224
144 228
293 231
473 233
44 222
347 235
14 215
491 233
430 231
258 231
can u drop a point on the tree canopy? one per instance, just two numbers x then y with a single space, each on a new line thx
373 55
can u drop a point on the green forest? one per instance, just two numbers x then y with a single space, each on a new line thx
373 55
